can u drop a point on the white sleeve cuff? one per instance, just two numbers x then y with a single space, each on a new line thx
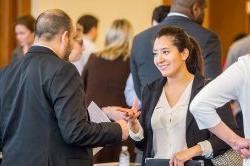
207 150
136 136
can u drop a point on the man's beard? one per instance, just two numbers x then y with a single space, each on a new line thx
67 52
200 19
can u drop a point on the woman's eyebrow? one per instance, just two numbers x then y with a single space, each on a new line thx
161 49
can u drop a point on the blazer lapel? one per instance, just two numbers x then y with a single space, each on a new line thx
196 87
156 90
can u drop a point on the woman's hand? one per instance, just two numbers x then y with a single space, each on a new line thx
115 113
133 113
181 157
132 117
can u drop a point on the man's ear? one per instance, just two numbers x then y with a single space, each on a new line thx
65 38
195 9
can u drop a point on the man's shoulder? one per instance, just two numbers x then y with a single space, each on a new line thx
9 74
4 70
189 26
194 29
148 33
186 24
10 68
57 65
42 61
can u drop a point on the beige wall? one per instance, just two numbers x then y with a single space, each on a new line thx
138 12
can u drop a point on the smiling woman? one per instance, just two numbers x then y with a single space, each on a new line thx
166 128
174 50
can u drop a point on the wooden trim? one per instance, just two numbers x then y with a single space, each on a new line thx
7 17
166 2
228 18
23 7
9 11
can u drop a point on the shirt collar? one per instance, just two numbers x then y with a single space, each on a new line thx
177 14
38 44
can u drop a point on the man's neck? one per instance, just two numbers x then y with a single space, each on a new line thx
182 11
89 36
45 44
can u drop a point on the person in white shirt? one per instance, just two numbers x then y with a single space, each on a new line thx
88 25
166 128
233 84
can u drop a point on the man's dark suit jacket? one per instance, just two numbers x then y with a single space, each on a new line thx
142 65
42 118
194 135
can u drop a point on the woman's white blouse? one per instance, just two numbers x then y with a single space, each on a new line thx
169 127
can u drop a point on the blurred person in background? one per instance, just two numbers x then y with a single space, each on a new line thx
78 48
24 30
88 25
159 14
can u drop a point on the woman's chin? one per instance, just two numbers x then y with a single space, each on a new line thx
165 74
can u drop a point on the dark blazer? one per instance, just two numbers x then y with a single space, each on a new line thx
142 66
43 121
150 97
17 54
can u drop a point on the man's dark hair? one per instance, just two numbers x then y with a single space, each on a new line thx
160 12
187 4
87 22
28 21
51 23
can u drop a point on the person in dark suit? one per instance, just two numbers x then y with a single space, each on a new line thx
43 119
186 14
166 128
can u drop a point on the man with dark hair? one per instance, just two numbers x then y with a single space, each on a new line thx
159 14
87 24
42 117
186 14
